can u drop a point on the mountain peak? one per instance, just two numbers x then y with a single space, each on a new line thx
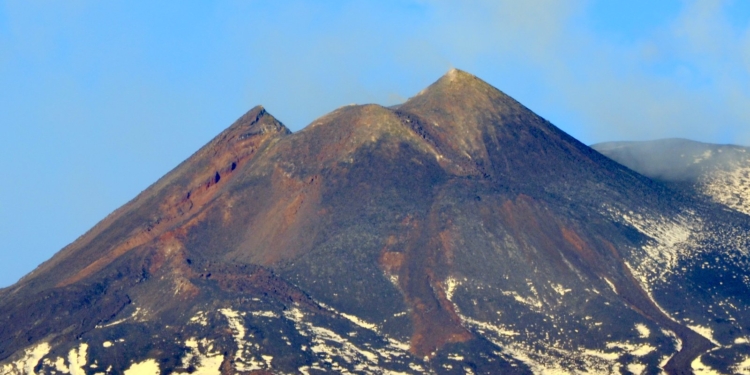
458 93
470 119
181 194
456 82
253 117
456 74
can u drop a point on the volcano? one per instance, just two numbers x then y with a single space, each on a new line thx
456 233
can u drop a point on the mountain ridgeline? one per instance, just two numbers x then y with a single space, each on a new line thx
458 232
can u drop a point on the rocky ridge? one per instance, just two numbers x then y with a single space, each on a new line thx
457 233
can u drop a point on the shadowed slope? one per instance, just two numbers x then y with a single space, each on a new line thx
511 146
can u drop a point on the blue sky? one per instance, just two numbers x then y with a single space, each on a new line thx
99 99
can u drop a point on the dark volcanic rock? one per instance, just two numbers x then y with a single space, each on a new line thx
456 233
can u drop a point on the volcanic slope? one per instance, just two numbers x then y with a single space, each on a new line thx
456 233
718 172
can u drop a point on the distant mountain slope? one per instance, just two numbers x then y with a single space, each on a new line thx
720 172
456 233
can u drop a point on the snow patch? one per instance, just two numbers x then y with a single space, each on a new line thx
611 285
604 355
671 239
147 367
77 359
633 349
241 362
553 361
416 367
205 362
199 318
137 316
455 357
742 368
265 314
25 365
560 289
705 332
450 287
636 368
730 187
329 347
59 365
543 363
699 368
529 301
393 279
643 331
484 327
360 322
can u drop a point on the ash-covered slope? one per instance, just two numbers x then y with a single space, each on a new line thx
457 233
719 172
